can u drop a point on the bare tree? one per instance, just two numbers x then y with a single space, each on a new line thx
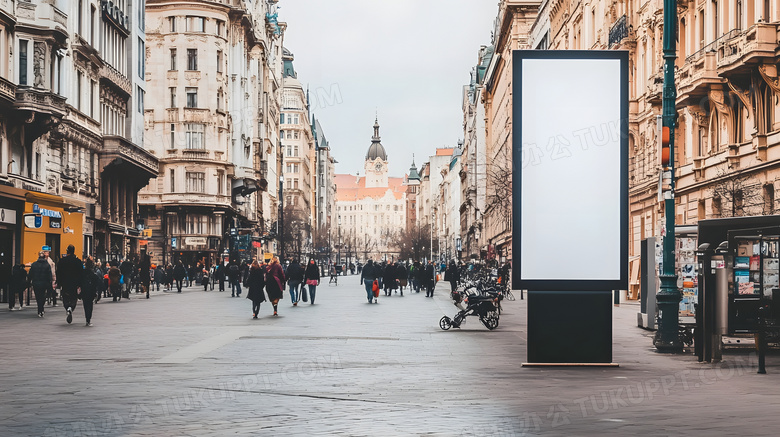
739 194
415 243
498 199
296 231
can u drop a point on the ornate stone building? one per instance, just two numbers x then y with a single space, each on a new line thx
325 192
371 209
216 69
64 152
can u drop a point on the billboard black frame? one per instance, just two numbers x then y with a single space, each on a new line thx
553 284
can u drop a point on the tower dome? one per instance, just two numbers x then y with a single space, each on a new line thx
376 149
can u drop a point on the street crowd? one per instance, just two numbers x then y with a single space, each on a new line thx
89 281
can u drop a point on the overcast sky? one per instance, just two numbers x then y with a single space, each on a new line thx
406 59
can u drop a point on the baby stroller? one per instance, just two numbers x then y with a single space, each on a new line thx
484 306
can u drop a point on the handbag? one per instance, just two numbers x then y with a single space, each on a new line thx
311 282
304 294
375 288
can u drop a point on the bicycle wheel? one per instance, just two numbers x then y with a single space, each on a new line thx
445 323
508 295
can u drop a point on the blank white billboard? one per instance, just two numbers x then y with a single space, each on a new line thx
570 187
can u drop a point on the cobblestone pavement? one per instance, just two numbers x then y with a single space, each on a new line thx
196 364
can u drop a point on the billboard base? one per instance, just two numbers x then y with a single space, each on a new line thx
570 328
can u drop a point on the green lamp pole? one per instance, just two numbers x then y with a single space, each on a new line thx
668 299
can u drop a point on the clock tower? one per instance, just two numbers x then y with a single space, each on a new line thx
376 161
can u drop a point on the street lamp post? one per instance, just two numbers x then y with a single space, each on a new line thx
668 299
280 223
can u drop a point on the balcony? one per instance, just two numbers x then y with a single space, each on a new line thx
695 77
7 92
753 46
39 101
118 151
119 80
618 32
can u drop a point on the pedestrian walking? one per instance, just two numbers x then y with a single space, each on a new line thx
128 272
169 277
179 273
294 280
159 276
145 274
452 274
70 274
115 281
430 280
402 274
367 278
16 286
219 274
90 287
388 279
205 278
40 277
256 281
51 290
234 277
312 278
274 283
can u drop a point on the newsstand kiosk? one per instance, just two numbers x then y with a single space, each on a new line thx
739 287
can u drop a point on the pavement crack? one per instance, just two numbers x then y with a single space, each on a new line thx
330 398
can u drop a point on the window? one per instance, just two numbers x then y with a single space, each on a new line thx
289 134
219 61
289 119
196 182
81 17
173 59
220 27
220 97
172 24
92 88
289 150
172 93
195 136
295 150
295 183
23 62
295 119
282 122
141 58
173 136
192 97
140 93
281 134
192 59
196 24
92 25
220 183
173 180
79 78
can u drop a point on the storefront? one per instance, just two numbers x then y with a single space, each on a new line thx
49 221
11 208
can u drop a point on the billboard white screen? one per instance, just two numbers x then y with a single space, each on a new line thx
572 203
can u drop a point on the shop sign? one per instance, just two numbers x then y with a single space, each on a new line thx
173 242
33 221
46 212
143 242
257 244
195 241
7 216
55 223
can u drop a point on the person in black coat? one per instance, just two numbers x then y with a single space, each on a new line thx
179 272
70 273
418 272
367 277
312 278
90 287
452 275
40 277
256 281
429 280
401 274
388 279
16 286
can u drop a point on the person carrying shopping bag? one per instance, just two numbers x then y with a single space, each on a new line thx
312 278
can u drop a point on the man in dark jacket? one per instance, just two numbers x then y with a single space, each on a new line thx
145 272
430 282
234 276
128 271
294 276
70 273
367 278
40 277
16 286
179 272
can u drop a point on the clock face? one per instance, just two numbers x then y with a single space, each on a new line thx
378 166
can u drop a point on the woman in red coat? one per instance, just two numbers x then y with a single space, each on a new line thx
274 283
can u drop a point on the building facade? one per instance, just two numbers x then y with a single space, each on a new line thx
299 162
511 32
325 192
371 209
218 67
